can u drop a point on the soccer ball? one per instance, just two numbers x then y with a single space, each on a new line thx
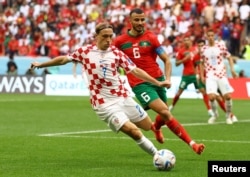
164 160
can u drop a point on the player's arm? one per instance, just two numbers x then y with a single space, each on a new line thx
167 64
74 69
231 64
179 61
137 72
60 60
202 71
197 69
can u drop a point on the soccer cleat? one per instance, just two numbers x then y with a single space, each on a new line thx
198 148
211 113
158 134
211 120
229 121
233 118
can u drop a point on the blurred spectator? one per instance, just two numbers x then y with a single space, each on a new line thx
231 9
12 49
237 29
245 53
45 71
219 10
168 48
30 72
43 48
11 67
64 48
66 24
244 10
242 74
186 8
54 46
225 32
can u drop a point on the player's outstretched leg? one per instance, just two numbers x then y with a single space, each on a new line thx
180 131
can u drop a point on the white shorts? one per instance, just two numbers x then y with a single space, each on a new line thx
118 114
213 84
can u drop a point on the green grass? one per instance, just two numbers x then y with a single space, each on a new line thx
25 153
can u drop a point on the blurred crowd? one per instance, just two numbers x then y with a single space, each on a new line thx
54 27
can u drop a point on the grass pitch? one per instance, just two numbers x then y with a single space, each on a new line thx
42 136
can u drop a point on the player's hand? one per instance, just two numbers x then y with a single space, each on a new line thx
35 65
165 83
198 78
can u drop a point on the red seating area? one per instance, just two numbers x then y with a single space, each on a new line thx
53 27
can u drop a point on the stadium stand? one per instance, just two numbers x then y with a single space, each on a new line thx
34 28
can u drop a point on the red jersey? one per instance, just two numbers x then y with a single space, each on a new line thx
197 59
188 65
142 50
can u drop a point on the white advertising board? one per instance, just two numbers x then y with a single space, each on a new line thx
68 85
65 85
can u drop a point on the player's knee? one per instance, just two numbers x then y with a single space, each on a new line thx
212 97
227 96
165 114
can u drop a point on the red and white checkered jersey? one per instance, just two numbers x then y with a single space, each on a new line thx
101 69
213 58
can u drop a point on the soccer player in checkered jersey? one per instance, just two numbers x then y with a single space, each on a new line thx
213 55
186 56
219 97
108 96
143 47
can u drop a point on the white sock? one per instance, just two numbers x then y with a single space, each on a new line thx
213 106
229 105
146 145
191 143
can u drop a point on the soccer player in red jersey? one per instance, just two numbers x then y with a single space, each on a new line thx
186 56
143 47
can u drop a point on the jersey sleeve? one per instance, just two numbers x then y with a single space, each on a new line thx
179 55
125 62
77 55
225 52
158 48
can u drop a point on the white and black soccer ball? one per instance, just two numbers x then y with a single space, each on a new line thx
164 160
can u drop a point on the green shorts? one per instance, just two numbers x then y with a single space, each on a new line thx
147 92
191 79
